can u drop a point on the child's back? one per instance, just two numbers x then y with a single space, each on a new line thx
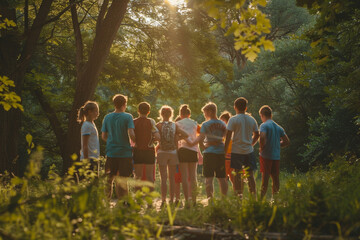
274 132
144 129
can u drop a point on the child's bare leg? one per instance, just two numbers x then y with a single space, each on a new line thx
121 187
149 170
193 180
223 185
109 189
264 184
163 177
138 174
232 180
172 171
275 183
251 183
209 187
184 179
138 171
238 182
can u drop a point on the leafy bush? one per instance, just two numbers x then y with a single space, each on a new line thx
326 200
64 208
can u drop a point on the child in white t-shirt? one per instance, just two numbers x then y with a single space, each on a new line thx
90 148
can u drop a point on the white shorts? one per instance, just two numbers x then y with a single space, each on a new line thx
167 158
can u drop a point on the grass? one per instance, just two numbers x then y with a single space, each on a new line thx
325 200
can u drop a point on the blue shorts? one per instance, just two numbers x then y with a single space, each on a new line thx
240 161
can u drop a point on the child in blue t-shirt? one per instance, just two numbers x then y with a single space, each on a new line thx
213 131
272 138
117 128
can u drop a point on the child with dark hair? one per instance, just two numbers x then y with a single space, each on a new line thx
89 134
243 130
188 154
225 116
117 128
272 138
146 133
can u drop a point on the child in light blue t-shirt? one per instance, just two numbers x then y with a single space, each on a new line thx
272 138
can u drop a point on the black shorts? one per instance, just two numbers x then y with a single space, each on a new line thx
187 155
144 156
240 161
214 163
122 167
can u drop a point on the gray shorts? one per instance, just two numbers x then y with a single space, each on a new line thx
167 158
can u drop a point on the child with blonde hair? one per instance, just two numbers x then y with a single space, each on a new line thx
167 155
90 148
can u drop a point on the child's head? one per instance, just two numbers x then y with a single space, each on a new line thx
120 101
166 113
240 104
184 111
209 110
225 116
265 113
89 110
144 108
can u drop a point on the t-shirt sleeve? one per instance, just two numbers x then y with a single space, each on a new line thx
203 128
263 128
104 127
282 132
230 125
131 122
85 129
153 126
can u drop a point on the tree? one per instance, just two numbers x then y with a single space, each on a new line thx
335 66
91 50
16 53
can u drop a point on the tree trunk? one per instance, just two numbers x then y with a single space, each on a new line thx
10 121
88 77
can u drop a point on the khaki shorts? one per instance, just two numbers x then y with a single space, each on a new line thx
164 158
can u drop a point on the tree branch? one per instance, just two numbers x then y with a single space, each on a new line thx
78 38
102 13
52 117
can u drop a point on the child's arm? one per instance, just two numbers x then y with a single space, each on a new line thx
157 136
262 141
284 141
104 136
227 140
255 137
199 139
85 146
131 134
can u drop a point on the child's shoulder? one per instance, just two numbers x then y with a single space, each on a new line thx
128 115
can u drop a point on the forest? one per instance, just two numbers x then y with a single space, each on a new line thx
301 57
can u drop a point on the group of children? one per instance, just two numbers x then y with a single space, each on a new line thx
131 147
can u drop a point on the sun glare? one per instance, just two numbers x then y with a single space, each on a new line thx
176 2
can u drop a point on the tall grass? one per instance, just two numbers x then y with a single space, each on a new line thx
323 201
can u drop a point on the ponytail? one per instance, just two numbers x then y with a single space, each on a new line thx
81 115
